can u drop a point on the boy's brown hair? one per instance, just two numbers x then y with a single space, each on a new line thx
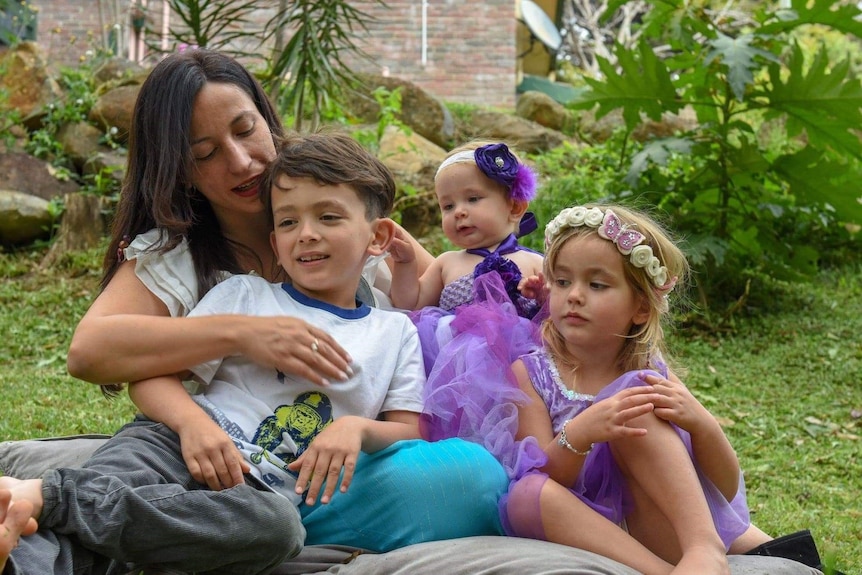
332 158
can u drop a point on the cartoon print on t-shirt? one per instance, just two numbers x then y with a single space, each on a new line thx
302 420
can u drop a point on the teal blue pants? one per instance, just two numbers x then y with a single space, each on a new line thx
410 492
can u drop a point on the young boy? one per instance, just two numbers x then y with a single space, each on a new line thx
329 199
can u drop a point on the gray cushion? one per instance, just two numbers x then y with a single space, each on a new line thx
467 556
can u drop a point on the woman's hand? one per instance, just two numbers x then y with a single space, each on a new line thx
294 346
335 448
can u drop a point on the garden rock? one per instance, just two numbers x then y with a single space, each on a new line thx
23 173
114 110
540 108
80 141
420 110
524 135
118 71
26 80
413 161
24 218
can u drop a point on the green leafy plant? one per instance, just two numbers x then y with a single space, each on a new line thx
748 202
313 59
79 97
215 24
17 21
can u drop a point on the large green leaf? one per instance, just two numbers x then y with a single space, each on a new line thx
657 152
842 16
817 179
642 85
740 58
825 103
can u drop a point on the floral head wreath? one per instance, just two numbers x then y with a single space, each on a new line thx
629 242
501 165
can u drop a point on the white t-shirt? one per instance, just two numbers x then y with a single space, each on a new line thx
273 416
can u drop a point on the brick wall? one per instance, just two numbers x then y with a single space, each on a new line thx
469 45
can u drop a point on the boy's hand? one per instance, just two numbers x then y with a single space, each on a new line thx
677 404
533 287
336 447
211 455
400 248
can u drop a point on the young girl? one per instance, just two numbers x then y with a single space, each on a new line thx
610 271
483 191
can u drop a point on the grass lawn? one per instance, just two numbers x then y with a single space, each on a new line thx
786 382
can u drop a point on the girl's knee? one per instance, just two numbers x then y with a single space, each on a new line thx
522 509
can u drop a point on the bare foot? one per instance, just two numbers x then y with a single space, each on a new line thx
16 519
24 490
705 561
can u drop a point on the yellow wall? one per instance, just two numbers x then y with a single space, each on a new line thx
537 61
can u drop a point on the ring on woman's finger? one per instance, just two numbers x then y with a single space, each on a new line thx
315 345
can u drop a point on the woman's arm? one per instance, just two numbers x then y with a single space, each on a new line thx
128 334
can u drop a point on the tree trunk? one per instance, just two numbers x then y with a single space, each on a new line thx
81 227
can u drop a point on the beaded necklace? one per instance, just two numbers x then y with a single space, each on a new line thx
569 394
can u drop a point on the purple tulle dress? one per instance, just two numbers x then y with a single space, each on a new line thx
600 483
469 344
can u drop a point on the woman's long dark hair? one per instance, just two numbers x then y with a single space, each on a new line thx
157 190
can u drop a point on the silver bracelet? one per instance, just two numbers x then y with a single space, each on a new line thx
564 442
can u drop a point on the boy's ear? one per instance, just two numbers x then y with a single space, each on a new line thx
273 244
383 230
517 210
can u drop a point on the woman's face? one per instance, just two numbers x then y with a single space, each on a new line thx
231 146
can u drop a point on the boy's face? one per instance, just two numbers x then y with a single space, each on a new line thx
322 238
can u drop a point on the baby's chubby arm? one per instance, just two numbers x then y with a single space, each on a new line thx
534 287
409 290
209 453
337 447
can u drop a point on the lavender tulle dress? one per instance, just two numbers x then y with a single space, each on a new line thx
469 343
600 483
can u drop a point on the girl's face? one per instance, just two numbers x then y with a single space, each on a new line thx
592 303
475 211
232 146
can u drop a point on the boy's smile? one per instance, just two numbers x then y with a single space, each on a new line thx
322 237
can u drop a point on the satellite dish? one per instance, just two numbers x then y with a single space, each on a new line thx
541 26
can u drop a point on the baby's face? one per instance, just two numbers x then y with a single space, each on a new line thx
474 209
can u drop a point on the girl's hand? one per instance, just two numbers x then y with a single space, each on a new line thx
676 403
335 448
533 287
211 455
606 420
401 249
293 346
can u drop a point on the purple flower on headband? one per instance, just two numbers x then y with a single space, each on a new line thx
499 164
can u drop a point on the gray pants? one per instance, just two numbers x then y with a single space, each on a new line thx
134 502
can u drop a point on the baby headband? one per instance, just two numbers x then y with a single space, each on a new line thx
499 164
628 241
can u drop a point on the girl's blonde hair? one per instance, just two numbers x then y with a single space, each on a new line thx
645 343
